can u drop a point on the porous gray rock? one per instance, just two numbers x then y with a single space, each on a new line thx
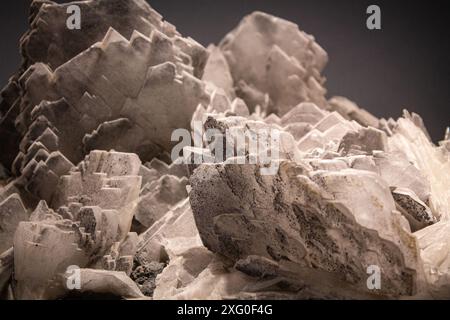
313 223
417 212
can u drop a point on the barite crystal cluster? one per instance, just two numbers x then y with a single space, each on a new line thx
93 205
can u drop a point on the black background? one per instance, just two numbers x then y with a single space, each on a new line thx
404 65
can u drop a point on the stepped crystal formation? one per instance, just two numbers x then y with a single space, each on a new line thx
87 181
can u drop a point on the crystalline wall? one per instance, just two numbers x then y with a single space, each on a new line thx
87 178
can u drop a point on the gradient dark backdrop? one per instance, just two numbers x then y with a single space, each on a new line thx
404 65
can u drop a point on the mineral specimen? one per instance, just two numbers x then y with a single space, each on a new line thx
94 204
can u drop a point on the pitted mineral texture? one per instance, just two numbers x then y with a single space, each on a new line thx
310 222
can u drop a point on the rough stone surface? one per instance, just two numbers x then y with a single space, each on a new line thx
290 218
417 212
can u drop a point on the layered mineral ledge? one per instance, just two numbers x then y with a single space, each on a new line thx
93 205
